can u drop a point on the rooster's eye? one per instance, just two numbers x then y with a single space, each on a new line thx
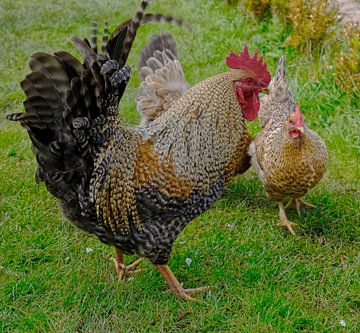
249 81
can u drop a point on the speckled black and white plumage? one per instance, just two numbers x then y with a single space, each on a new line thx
137 188
149 182
71 117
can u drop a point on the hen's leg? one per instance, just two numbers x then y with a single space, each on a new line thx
301 201
284 220
298 202
121 269
177 287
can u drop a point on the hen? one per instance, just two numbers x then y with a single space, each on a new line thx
289 158
137 188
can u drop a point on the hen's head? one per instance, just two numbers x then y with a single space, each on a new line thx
294 124
253 79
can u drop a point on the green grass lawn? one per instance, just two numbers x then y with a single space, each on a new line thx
262 278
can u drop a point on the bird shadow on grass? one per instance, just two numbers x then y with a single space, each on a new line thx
246 191
336 215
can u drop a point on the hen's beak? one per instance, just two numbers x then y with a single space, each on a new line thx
300 129
265 91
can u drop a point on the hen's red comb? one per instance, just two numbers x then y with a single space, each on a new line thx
298 115
251 64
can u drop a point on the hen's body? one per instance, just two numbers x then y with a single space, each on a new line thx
288 167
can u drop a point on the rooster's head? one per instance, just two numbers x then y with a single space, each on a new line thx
253 79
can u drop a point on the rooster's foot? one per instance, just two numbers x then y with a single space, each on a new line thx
297 202
186 293
176 287
124 271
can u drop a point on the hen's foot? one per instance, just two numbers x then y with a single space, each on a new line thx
176 287
288 224
284 222
298 202
124 271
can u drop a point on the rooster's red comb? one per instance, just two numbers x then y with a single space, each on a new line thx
250 64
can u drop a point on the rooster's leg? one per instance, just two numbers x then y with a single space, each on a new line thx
297 202
121 269
284 220
177 287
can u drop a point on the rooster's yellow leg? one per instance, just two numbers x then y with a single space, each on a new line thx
297 202
122 270
177 287
284 220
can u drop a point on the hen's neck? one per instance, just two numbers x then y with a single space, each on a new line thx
289 145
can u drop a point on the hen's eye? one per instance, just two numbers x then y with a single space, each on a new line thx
248 81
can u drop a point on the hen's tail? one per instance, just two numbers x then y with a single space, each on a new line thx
162 77
280 101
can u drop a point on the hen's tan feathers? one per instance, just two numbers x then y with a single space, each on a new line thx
280 102
287 166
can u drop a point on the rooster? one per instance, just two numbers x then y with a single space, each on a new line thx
137 188
289 158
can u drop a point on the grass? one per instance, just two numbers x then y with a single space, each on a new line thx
263 280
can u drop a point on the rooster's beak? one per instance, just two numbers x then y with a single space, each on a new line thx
265 91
